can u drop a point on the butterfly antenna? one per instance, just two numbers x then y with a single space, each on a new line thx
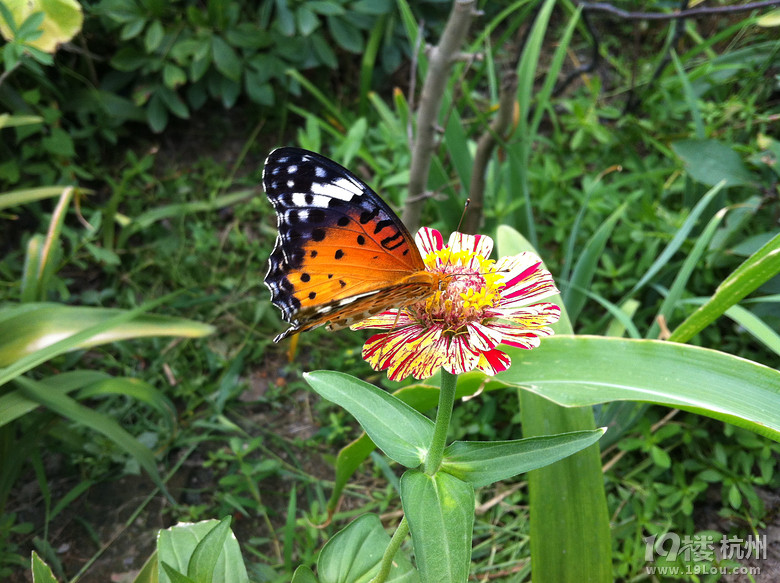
460 222
463 214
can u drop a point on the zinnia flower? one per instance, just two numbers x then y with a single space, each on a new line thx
485 303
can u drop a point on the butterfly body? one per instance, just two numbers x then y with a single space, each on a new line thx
341 254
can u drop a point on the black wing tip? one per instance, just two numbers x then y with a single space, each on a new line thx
282 151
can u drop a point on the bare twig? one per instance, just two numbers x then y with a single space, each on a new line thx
441 58
595 58
499 129
690 13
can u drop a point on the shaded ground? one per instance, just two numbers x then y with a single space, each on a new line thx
766 565
115 524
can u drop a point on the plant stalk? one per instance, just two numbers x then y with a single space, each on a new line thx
395 543
442 424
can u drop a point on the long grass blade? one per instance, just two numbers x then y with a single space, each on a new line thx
757 269
681 279
679 238
574 293
71 409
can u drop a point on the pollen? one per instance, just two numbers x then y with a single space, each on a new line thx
473 286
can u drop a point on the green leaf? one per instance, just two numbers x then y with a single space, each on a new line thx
395 427
756 270
174 575
303 575
225 59
173 102
173 76
770 20
484 462
567 499
163 212
324 51
307 20
584 370
31 28
679 237
199 66
755 326
346 35
249 35
284 18
179 547
70 409
61 22
12 121
374 7
440 511
14 404
682 276
326 7
710 161
207 552
59 143
154 36
690 96
157 114
41 572
229 91
132 29
421 398
660 457
354 553
129 59
23 196
574 295
28 328
149 573
259 92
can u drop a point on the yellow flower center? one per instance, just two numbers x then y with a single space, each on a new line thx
472 286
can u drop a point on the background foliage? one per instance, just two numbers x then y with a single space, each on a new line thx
160 114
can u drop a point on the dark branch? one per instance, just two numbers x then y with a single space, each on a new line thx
587 67
690 13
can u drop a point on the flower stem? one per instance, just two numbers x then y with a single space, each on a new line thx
395 543
442 424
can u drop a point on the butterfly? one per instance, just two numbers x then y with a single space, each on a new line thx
341 254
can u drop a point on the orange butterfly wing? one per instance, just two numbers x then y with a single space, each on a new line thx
341 254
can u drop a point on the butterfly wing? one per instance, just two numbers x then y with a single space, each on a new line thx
341 254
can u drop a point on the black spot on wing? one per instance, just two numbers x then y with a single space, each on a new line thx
383 224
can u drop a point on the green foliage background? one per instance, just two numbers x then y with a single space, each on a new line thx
161 114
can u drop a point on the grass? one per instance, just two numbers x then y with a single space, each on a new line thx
615 215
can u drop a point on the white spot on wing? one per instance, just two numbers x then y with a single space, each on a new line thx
350 299
341 189
302 215
318 200
292 169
